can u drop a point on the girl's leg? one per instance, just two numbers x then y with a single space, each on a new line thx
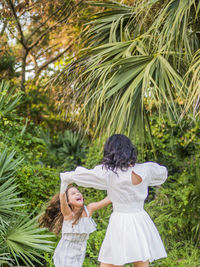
109 265
141 264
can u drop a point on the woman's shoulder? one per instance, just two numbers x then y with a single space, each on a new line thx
146 165
102 170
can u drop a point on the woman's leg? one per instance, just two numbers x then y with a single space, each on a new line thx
109 265
141 264
135 264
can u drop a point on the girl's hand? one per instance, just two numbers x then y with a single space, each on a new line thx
63 185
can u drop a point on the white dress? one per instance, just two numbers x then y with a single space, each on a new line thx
70 251
131 234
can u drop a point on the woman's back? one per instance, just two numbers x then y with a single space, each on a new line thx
129 197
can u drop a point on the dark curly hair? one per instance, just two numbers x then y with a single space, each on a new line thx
119 152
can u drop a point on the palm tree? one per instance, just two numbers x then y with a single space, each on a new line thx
138 59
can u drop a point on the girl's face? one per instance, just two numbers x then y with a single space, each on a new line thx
75 198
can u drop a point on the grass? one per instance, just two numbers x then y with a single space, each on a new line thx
180 254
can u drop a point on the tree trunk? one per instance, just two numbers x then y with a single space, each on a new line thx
23 72
3 28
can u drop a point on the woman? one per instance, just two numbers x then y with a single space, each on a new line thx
131 235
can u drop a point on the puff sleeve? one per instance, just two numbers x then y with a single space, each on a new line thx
95 178
157 173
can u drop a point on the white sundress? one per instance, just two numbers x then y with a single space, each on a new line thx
131 234
70 251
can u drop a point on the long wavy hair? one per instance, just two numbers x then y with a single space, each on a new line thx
52 218
119 152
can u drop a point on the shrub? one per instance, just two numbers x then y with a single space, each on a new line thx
37 184
65 149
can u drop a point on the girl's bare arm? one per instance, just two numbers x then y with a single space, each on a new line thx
98 205
65 209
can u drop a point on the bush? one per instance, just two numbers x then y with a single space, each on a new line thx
176 209
65 149
37 184
180 254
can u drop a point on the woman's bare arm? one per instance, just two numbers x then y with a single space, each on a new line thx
98 205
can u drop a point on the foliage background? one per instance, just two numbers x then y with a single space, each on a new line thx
49 124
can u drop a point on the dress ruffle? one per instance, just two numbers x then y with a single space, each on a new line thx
85 225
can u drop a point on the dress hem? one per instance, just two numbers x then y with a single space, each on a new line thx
132 261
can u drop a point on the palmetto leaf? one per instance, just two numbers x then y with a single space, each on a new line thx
5 259
123 83
177 27
8 164
24 241
20 239
193 96
136 57
8 100
108 26
71 145
9 199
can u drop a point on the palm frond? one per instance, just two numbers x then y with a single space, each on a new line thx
124 82
24 241
109 25
8 164
8 100
174 29
193 96
9 199
5 259
136 57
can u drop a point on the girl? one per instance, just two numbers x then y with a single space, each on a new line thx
67 211
131 235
